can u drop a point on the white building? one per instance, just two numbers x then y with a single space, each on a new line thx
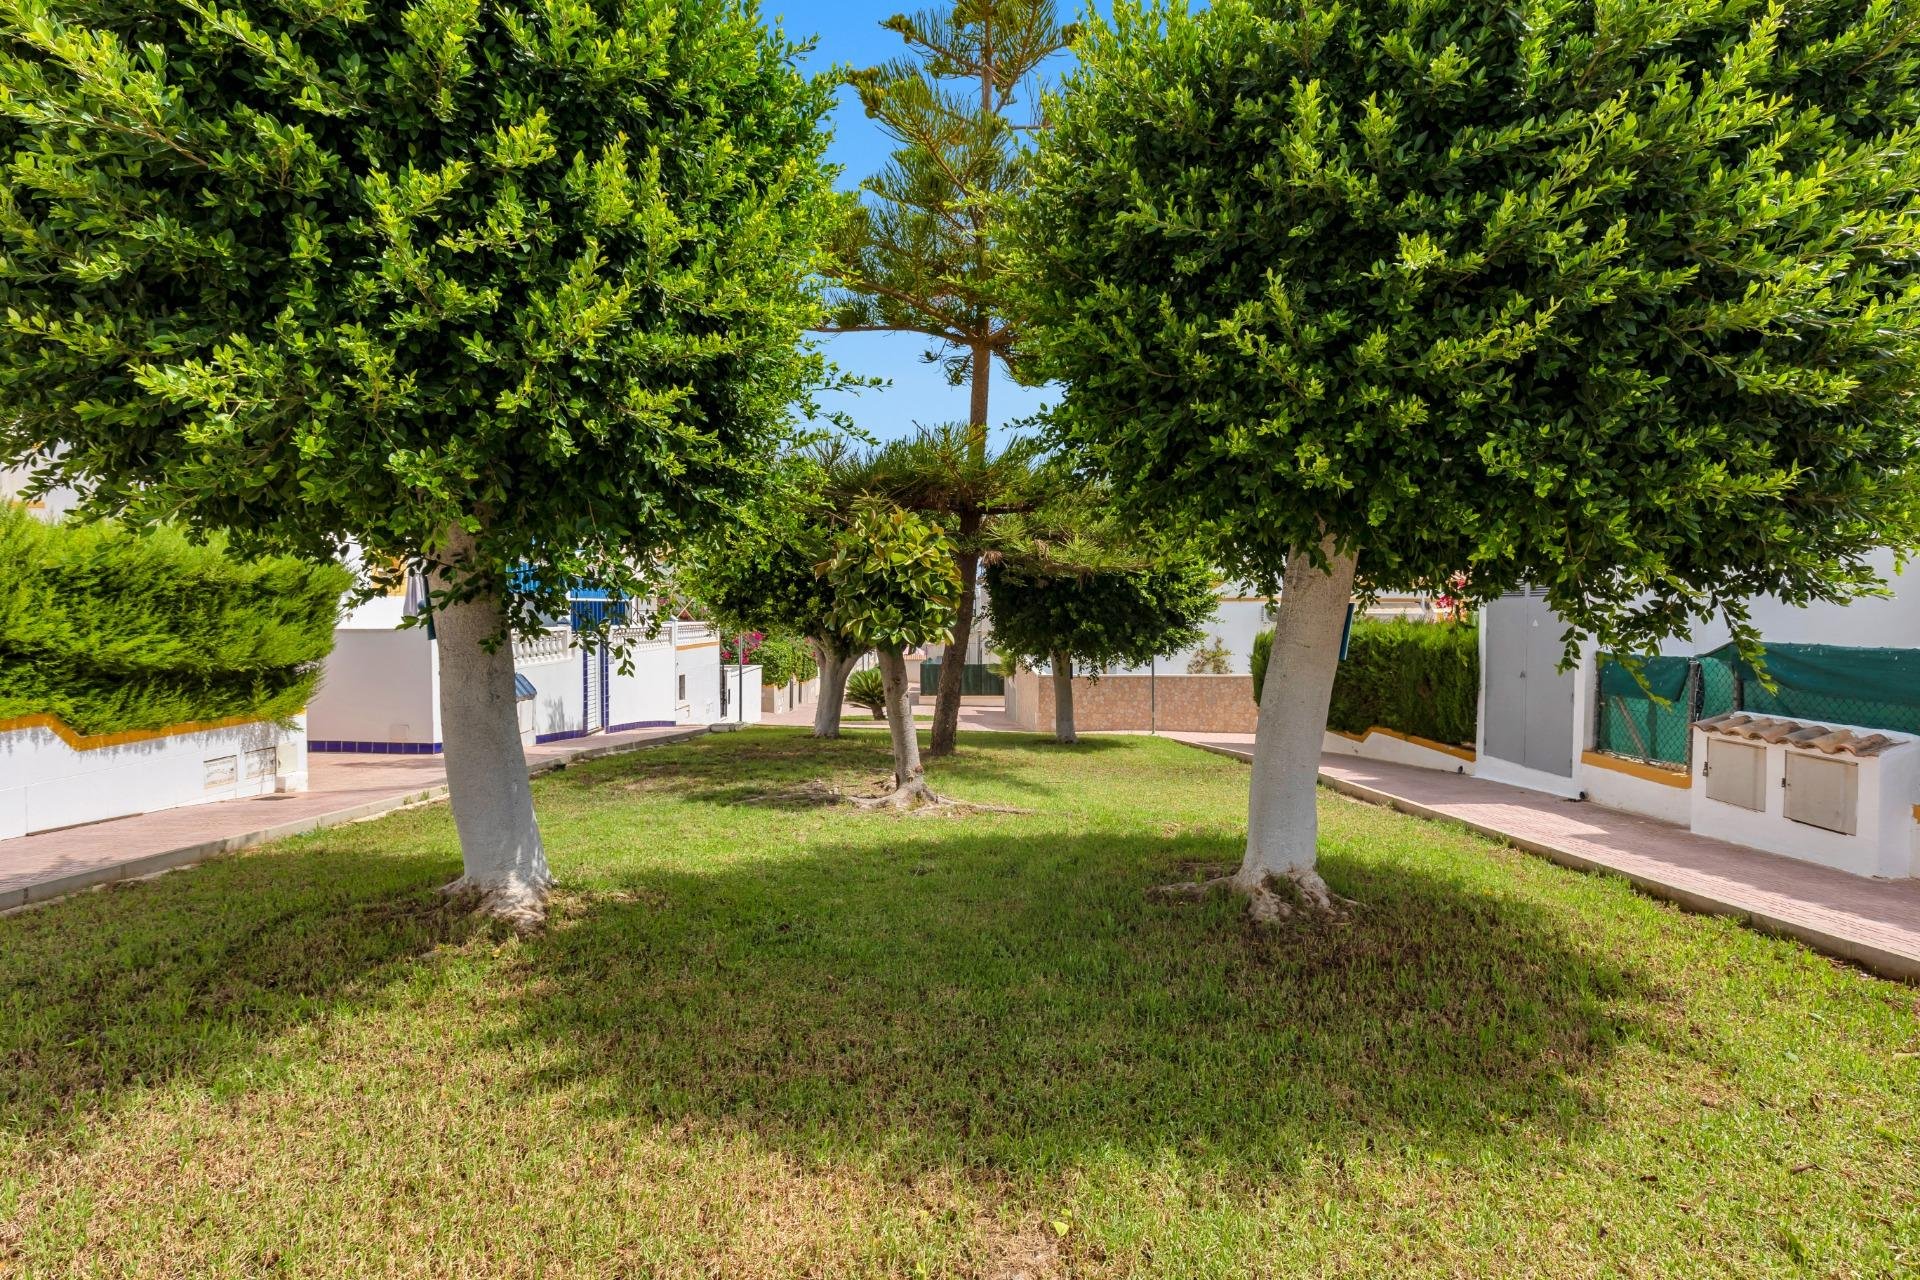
381 694
1813 787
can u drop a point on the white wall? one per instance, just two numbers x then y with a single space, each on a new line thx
49 783
743 698
1883 841
1237 619
559 706
696 656
1619 789
377 686
1385 746
646 696
1892 622
54 506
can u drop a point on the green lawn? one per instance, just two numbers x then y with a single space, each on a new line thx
767 1038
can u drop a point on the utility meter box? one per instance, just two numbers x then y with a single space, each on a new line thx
1737 773
1823 792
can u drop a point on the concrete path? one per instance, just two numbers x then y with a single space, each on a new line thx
343 788
1873 923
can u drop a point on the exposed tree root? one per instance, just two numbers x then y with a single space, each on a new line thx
917 797
516 903
1270 898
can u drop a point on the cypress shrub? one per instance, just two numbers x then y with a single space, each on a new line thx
110 629
1421 678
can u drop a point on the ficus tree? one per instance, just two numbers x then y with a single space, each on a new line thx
1614 299
938 472
893 585
762 570
922 243
1077 585
514 292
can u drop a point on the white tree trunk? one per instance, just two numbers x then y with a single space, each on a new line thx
835 667
907 770
502 859
1282 822
1063 698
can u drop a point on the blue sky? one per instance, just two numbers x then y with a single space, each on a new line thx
849 32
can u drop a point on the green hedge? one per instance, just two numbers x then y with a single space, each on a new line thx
111 630
784 658
1421 678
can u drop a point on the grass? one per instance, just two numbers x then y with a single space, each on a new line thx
768 1038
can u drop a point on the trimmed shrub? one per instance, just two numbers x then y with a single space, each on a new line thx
1420 678
110 629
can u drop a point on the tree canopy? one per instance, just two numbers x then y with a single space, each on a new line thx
1618 300
316 272
893 579
1096 594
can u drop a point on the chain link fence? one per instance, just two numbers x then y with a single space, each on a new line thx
1869 688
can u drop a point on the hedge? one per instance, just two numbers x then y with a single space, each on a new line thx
1420 678
110 630
784 658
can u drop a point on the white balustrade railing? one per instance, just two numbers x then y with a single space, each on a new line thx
542 648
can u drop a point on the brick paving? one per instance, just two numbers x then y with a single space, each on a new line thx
342 788
1873 923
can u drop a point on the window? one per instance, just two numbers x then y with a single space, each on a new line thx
683 687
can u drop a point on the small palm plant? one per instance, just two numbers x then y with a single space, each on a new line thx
866 689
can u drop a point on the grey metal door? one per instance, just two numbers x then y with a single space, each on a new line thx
1529 701
1506 678
1549 695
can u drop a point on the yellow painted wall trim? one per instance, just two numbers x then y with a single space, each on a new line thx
95 741
1635 769
1458 753
702 644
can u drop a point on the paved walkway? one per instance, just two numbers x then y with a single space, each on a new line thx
343 788
1874 923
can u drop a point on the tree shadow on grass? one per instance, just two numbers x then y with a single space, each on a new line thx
786 769
973 1000
191 973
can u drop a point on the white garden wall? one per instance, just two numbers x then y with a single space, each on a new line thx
1647 790
744 696
696 671
378 686
645 697
1399 748
53 778
1881 845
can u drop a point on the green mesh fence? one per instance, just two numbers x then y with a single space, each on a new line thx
1651 722
1871 688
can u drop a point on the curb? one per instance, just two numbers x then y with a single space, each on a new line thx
1877 960
42 891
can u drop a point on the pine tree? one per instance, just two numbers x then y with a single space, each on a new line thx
922 248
